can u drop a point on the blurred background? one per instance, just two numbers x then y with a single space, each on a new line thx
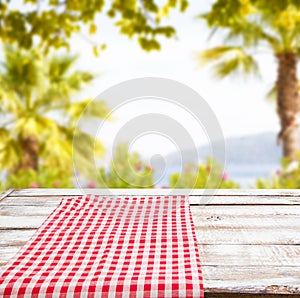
57 56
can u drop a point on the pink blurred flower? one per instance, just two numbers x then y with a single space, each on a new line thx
278 172
138 166
57 183
188 168
165 186
33 185
92 184
224 176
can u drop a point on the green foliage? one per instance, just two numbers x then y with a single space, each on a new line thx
45 177
127 170
249 24
287 177
35 101
254 21
54 22
207 175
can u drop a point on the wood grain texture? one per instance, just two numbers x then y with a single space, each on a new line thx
204 236
249 241
128 191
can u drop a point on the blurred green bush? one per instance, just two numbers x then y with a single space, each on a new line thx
127 170
287 177
44 177
206 175
136 173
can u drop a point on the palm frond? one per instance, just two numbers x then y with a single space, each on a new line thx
86 150
10 102
22 71
89 108
39 125
78 78
272 93
213 54
57 152
228 60
62 84
59 66
251 33
10 151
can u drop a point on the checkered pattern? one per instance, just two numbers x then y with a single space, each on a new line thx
95 246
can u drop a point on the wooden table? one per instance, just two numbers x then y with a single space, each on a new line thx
249 240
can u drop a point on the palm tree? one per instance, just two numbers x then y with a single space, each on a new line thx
273 25
38 117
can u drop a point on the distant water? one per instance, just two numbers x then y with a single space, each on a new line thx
247 174
243 174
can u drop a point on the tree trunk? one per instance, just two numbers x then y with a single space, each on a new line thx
30 153
288 103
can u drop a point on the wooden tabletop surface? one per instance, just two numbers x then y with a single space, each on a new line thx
249 240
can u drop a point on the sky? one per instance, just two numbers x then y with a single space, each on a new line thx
239 104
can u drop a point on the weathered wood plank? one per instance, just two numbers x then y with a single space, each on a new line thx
225 216
243 280
201 192
213 213
217 216
232 217
256 255
249 236
251 210
230 255
25 210
248 277
207 212
214 224
14 237
244 200
245 222
234 279
6 193
31 201
228 279
7 253
194 200
244 295
21 222
201 222
205 236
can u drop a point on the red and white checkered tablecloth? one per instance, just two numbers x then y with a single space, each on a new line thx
95 246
